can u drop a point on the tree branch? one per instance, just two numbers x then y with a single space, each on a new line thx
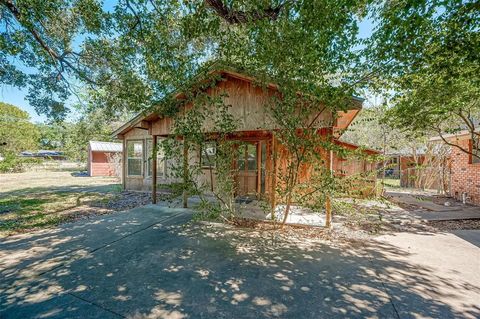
60 58
240 17
439 131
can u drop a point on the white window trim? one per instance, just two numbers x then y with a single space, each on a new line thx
142 158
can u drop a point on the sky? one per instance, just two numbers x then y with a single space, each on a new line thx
15 96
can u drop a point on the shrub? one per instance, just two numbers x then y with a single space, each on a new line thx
13 164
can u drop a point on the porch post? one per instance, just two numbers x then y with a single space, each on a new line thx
274 175
185 172
154 169
328 203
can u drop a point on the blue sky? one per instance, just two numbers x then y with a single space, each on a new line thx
15 96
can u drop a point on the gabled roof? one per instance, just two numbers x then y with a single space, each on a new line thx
152 115
353 146
96 146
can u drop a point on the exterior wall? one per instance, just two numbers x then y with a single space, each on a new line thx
142 182
465 177
100 166
247 105
341 167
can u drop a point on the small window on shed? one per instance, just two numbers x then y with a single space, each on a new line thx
475 157
134 158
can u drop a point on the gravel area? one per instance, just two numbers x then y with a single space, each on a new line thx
464 224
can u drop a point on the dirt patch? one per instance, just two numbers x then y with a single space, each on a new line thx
339 232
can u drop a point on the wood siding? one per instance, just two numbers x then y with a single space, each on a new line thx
248 104
100 165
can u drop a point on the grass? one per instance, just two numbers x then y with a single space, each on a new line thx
390 182
45 209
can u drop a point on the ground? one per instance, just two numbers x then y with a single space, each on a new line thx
154 262
57 192
149 263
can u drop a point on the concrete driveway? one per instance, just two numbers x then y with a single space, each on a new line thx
148 263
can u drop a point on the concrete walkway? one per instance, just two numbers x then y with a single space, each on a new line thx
472 236
148 263
428 210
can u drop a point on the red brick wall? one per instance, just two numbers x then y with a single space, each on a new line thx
465 177
100 165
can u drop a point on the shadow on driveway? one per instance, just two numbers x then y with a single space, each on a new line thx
150 264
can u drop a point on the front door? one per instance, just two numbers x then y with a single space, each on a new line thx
247 164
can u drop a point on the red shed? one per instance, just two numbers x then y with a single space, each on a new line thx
104 158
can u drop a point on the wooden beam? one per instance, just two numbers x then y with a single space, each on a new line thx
144 125
274 175
259 168
328 200
185 173
154 169
124 164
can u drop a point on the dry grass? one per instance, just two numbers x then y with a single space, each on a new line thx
50 194
39 210
56 176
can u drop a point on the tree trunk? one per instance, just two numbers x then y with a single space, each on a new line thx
287 209
328 212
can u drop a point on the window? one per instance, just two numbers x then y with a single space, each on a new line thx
475 146
247 157
134 158
161 163
207 159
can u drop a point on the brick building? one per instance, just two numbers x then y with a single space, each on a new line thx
465 168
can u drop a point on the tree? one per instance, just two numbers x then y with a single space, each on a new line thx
16 130
52 135
428 51
140 52
91 125
43 47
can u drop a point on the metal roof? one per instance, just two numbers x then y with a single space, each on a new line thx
97 146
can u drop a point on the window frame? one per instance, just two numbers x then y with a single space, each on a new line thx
148 161
202 148
141 158
472 159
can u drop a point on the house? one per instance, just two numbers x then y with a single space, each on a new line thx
256 162
104 158
402 165
464 167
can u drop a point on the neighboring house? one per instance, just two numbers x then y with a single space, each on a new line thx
399 165
49 154
465 168
248 107
104 158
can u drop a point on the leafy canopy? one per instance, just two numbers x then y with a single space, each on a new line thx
131 55
16 130
428 51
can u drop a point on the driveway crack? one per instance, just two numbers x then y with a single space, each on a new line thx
96 305
371 259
